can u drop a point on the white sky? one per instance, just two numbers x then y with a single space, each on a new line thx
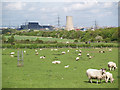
84 12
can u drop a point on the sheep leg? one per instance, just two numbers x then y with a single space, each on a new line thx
113 68
107 79
97 81
110 68
90 80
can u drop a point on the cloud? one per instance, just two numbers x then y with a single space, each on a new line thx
32 9
15 6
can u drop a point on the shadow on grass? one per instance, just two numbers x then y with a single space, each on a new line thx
95 82
57 54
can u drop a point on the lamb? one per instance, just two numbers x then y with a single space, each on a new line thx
56 62
40 49
51 49
96 74
88 55
36 53
66 66
76 50
68 50
110 50
12 53
112 65
24 51
108 76
77 58
79 54
63 52
35 50
80 51
42 57
55 49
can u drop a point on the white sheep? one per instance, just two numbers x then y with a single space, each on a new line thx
51 49
77 58
56 62
80 51
63 52
68 50
95 74
42 57
35 50
90 57
88 54
40 49
79 54
66 66
76 50
112 65
110 50
24 51
12 53
55 49
109 76
36 53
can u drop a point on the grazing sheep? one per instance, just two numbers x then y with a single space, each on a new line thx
66 66
51 49
24 51
88 55
55 49
63 52
77 58
40 49
68 50
80 51
12 53
67 42
36 53
35 50
76 50
102 51
42 57
110 50
112 65
79 54
56 62
108 76
95 74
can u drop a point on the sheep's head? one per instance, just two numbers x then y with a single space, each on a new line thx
103 70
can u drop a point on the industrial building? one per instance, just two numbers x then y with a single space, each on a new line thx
69 23
36 26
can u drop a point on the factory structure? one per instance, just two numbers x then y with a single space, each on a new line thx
33 25
69 23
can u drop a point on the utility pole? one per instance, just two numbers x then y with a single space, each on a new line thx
58 21
95 25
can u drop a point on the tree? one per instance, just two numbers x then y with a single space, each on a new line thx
11 40
3 39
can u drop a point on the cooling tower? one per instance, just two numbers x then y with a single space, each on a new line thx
69 23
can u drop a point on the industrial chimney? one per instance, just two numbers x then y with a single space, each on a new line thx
69 23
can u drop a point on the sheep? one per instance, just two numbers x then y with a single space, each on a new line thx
67 42
40 49
51 49
88 55
24 51
108 76
63 52
66 66
77 58
96 74
68 50
36 53
12 53
35 50
56 62
79 54
80 51
112 65
76 50
110 50
42 57
55 49
102 51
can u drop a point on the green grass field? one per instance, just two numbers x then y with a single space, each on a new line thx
17 37
41 73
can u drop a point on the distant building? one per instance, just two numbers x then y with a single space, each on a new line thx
36 26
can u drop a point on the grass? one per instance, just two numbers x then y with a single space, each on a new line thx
41 73
17 37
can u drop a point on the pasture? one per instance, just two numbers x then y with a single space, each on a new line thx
17 37
41 73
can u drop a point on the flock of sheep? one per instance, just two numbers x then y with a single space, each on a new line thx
91 73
